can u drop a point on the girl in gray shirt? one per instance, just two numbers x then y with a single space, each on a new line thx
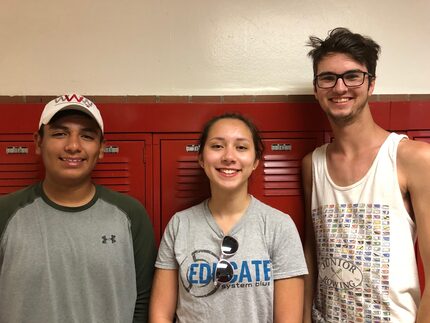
230 258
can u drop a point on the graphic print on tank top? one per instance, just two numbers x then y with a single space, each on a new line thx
354 251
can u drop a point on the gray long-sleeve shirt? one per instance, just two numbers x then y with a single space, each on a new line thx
87 264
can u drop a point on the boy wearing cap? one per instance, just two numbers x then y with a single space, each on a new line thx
70 250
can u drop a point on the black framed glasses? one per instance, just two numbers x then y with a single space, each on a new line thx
224 269
350 79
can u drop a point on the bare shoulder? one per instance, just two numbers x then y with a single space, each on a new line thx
413 153
413 159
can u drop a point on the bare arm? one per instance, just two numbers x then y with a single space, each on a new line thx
288 300
309 243
414 169
164 295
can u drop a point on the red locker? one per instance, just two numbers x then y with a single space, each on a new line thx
179 181
410 115
277 180
19 164
124 167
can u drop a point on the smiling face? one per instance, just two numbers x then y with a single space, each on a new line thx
342 104
228 157
70 148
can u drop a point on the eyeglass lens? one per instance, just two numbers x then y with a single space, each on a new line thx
351 79
229 246
224 269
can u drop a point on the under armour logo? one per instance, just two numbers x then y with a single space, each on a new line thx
112 239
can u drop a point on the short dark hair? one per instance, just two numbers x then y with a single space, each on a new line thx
65 113
341 40
258 143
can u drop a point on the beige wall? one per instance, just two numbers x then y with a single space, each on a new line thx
199 47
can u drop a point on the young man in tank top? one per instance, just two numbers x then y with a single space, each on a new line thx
70 250
367 195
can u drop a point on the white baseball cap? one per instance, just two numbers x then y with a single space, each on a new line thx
70 102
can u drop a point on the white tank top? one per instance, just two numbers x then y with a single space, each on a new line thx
365 238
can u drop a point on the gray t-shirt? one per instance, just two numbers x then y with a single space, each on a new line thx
269 249
72 265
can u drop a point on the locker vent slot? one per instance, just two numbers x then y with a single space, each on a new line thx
114 174
281 176
14 176
191 181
